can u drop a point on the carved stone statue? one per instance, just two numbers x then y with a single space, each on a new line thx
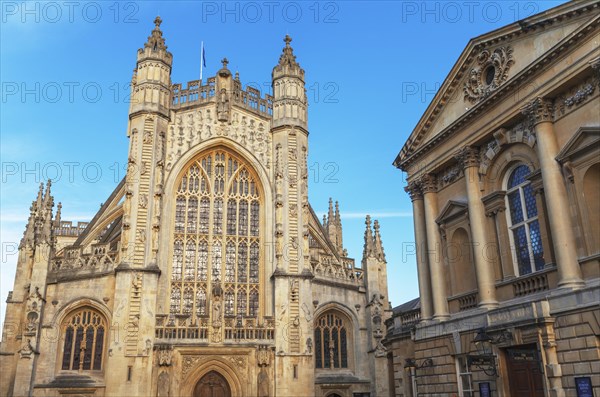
223 106
263 383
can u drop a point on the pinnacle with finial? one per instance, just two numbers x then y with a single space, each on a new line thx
225 62
287 40
157 22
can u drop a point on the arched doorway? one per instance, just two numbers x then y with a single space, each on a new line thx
213 384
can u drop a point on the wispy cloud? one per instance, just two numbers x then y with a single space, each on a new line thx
373 214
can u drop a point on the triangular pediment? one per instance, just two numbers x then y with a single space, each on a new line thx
452 210
586 138
492 65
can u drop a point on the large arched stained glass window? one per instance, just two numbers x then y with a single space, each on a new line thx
83 334
331 342
216 237
523 221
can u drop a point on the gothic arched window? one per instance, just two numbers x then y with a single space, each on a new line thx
523 221
331 341
83 334
216 237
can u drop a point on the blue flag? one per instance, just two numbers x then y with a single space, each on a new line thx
203 57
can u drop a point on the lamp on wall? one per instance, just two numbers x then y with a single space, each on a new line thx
411 363
485 360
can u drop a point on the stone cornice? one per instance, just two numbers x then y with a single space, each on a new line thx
494 203
408 156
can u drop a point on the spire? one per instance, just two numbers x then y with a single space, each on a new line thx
368 248
39 224
287 62
48 199
338 219
58 215
155 41
40 198
330 215
379 254
288 58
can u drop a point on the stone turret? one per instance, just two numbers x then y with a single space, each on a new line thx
378 309
151 82
294 272
138 271
289 95
25 304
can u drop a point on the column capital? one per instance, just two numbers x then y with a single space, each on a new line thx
414 191
539 110
468 156
428 183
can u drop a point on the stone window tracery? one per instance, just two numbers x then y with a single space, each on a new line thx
84 335
523 222
331 342
216 242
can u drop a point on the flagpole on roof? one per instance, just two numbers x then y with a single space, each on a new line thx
201 60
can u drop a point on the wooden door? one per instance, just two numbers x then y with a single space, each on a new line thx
213 384
524 374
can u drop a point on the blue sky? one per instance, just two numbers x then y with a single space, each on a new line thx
372 67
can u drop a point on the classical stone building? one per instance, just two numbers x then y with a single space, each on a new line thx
206 272
504 176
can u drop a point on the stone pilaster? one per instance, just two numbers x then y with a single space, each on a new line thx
469 157
428 184
541 111
416 196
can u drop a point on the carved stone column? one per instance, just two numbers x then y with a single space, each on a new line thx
495 208
541 111
434 248
416 196
469 157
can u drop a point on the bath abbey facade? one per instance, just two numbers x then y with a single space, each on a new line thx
206 272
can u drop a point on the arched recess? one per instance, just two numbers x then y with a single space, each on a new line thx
591 196
168 215
502 163
223 368
350 321
460 259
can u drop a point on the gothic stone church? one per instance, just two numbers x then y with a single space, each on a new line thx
206 272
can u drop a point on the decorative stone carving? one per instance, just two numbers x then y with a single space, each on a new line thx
380 350
577 95
190 362
263 383
163 385
491 71
165 356
428 183
223 106
468 157
522 132
263 356
414 191
27 350
539 110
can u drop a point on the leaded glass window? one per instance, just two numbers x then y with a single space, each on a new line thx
331 342
83 333
523 221
216 240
